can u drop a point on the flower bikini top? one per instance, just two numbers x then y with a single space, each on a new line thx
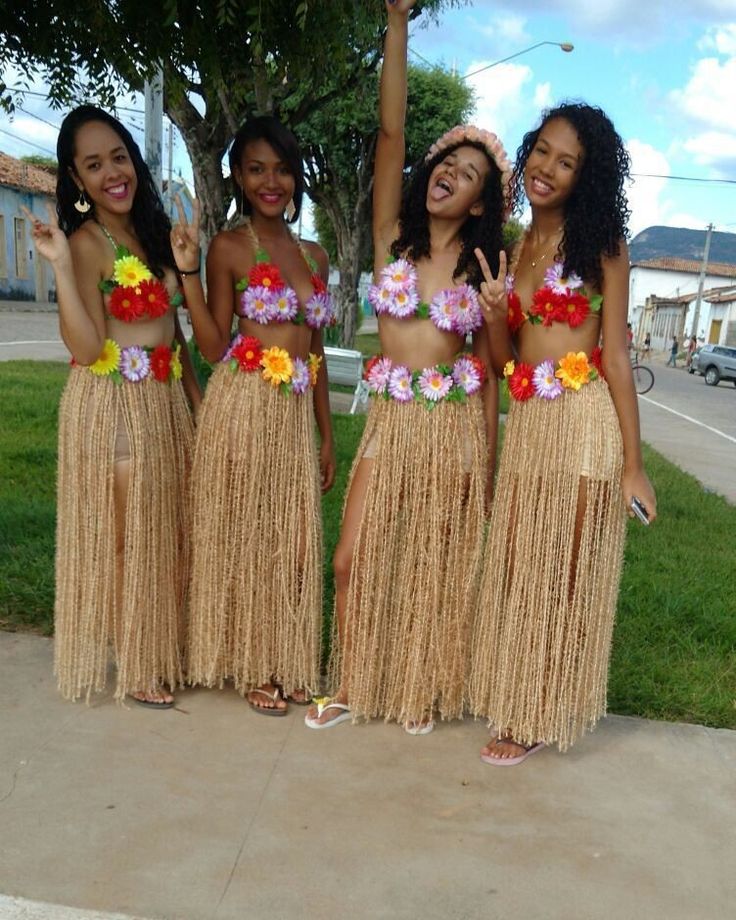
454 309
134 292
266 298
559 300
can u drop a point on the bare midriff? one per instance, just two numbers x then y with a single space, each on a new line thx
417 343
537 343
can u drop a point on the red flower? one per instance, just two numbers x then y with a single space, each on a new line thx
548 306
516 314
520 382
596 359
248 353
480 366
126 304
370 364
318 284
575 309
265 274
155 297
161 362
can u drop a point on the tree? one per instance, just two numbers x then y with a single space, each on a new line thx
339 145
41 161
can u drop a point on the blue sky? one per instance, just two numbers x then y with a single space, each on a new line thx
664 70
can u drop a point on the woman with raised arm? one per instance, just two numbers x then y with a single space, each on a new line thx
256 594
408 554
571 464
125 429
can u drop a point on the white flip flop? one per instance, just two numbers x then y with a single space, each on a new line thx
419 728
322 707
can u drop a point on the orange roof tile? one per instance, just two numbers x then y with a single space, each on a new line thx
691 266
24 176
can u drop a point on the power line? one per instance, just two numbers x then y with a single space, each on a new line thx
683 178
28 92
17 137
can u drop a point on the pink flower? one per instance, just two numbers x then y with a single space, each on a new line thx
256 304
434 385
399 276
544 381
285 305
400 384
466 375
378 375
553 279
134 363
318 310
404 303
441 309
300 378
466 314
380 298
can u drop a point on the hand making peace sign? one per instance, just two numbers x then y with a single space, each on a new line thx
492 294
185 238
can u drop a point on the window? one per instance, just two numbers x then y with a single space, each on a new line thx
3 259
21 253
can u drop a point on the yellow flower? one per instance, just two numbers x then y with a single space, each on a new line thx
574 370
315 362
108 360
277 366
176 363
129 271
508 368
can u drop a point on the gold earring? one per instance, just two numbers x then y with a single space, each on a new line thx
81 204
290 210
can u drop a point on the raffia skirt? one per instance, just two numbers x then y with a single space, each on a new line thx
256 589
542 636
415 563
142 618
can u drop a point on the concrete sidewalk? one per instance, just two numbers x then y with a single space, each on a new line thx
212 812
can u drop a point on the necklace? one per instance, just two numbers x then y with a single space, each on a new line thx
535 262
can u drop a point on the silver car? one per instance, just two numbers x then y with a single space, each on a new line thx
715 363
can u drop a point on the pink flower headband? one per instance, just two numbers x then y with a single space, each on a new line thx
487 139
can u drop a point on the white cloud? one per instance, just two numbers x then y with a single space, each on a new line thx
713 148
722 40
645 192
709 96
543 95
505 30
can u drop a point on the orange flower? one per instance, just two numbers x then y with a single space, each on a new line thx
277 366
574 370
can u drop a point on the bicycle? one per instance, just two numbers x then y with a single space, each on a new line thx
643 375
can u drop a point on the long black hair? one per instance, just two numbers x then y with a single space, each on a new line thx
267 128
151 224
597 211
483 231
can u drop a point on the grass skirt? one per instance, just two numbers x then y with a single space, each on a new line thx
551 570
256 590
145 622
415 564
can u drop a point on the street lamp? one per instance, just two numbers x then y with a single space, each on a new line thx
567 47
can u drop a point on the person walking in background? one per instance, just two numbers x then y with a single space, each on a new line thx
672 360
692 344
647 345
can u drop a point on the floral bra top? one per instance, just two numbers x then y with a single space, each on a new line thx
134 292
454 309
559 300
266 298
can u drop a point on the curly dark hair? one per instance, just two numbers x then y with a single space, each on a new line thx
151 224
483 231
597 211
268 128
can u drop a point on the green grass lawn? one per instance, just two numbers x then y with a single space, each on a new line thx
674 653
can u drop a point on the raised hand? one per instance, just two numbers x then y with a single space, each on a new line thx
48 239
185 237
399 6
492 294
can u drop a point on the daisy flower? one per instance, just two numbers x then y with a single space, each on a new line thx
134 363
553 279
380 298
399 276
547 306
377 374
545 383
267 275
108 360
301 378
277 366
161 363
126 304
399 384
256 303
520 382
434 385
247 352
466 375
574 370
466 313
155 298
129 271
285 305
441 310
575 309
318 311
404 303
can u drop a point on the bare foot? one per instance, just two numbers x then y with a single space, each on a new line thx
507 752
267 697
301 697
153 698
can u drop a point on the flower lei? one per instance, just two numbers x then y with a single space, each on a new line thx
265 298
135 363
547 381
428 386
455 309
133 290
291 375
559 300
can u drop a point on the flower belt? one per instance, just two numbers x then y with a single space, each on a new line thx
291 375
549 380
430 385
134 363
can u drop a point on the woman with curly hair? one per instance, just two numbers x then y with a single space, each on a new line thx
571 465
125 429
407 560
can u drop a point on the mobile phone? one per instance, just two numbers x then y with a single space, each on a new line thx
640 511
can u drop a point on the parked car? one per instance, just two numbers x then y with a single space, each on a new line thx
715 363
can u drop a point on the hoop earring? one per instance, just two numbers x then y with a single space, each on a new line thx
81 204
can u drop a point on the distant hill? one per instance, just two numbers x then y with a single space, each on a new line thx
680 243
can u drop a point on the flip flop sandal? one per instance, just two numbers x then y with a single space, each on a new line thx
268 710
153 704
419 728
511 761
323 705
307 701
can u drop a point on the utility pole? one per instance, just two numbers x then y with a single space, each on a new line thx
170 186
153 92
701 281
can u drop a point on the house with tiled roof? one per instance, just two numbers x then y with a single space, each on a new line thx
663 289
23 274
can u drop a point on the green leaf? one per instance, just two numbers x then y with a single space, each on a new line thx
177 299
596 302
